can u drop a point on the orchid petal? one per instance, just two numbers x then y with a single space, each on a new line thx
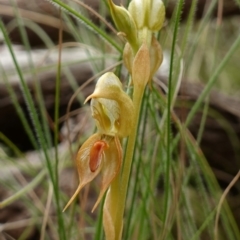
111 166
96 154
137 9
106 112
155 15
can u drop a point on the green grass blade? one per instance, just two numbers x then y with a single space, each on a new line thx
24 190
43 143
212 80
88 23
169 108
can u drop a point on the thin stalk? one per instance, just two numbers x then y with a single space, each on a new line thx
228 221
137 102
208 87
223 197
203 121
28 101
99 229
22 29
169 109
128 222
35 120
195 40
115 196
56 134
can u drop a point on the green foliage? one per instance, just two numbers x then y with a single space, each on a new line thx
173 193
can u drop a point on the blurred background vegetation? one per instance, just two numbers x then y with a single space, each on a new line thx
43 121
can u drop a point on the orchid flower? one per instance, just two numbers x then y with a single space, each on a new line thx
113 112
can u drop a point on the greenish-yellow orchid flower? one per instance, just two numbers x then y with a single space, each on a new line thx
111 107
113 111
99 153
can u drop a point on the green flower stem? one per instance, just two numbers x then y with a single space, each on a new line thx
144 35
115 196
137 100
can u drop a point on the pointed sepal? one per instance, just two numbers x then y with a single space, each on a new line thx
141 67
111 166
83 162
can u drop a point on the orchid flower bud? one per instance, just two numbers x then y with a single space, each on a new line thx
156 56
137 9
141 67
155 15
124 22
148 13
149 57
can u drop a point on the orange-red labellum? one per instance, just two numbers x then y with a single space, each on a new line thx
96 154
